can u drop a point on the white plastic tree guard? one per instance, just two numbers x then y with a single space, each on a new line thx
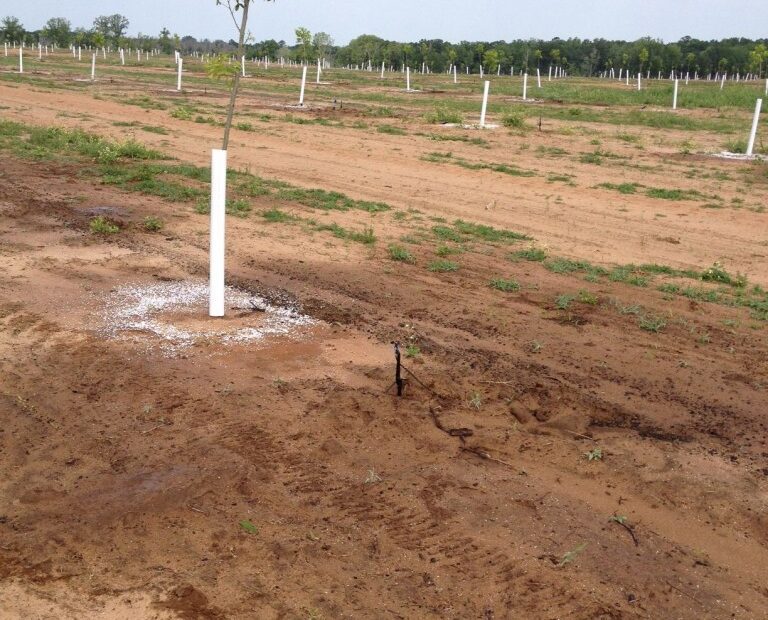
218 228
753 132
485 104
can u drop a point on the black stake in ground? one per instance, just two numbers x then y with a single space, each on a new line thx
398 366
399 381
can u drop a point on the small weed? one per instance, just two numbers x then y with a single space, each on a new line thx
536 346
716 273
632 309
620 519
530 254
572 555
475 401
594 455
586 297
412 351
249 527
623 188
443 266
372 477
182 113
102 226
562 302
152 224
653 324
513 119
441 115
238 207
507 286
391 130
274 216
400 253
444 250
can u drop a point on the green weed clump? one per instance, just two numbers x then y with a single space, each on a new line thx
622 188
443 266
513 119
100 225
391 130
533 254
442 115
400 253
152 224
274 216
507 286
716 273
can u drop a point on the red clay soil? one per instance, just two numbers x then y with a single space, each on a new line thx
282 479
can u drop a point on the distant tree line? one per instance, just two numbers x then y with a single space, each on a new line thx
578 56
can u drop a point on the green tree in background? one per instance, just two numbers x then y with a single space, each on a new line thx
58 30
12 29
111 27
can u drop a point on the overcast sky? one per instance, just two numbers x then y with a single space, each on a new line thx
452 20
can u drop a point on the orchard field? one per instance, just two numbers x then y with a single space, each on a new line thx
579 291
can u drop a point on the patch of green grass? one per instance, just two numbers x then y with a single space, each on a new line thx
155 129
400 253
623 188
513 119
488 233
552 151
328 201
530 254
443 266
507 286
454 138
566 265
143 101
445 250
651 323
245 126
100 225
183 113
591 158
627 275
448 158
628 137
563 302
391 130
277 216
152 224
674 194
238 207
366 236
586 297
447 233
442 115
716 273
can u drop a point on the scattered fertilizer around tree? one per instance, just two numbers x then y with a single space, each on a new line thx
174 316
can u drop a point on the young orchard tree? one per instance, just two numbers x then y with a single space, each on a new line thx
304 39
234 7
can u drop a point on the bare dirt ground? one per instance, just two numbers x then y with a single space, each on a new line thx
129 473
